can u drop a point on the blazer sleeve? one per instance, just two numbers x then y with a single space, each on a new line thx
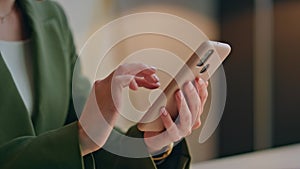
178 159
54 149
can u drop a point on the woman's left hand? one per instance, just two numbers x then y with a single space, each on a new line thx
190 104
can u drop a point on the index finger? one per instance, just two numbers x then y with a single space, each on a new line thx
136 69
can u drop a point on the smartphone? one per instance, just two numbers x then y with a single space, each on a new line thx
202 63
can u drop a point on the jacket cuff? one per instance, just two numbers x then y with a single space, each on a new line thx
65 145
178 159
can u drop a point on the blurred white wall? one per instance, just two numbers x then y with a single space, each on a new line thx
85 17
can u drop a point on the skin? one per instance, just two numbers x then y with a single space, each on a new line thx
93 134
14 28
101 111
190 103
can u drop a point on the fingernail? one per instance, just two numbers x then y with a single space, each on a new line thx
201 82
155 77
163 111
153 68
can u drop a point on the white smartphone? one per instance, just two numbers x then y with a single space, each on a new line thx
202 63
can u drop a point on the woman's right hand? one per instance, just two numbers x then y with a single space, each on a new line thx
101 109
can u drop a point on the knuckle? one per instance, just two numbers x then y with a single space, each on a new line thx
185 132
197 124
175 136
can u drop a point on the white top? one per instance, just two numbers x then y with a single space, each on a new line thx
17 57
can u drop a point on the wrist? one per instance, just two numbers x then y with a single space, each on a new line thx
164 153
86 144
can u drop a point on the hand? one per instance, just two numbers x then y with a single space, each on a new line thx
190 103
101 110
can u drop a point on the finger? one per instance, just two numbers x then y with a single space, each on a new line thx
185 116
166 119
133 85
146 72
202 91
152 78
157 140
134 82
203 94
138 69
171 127
123 80
193 100
197 123
144 83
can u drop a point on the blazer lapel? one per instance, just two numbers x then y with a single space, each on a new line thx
50 67
12 109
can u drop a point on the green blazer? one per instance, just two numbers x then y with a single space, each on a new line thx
49 139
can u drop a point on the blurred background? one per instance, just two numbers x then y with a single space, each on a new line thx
263 85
